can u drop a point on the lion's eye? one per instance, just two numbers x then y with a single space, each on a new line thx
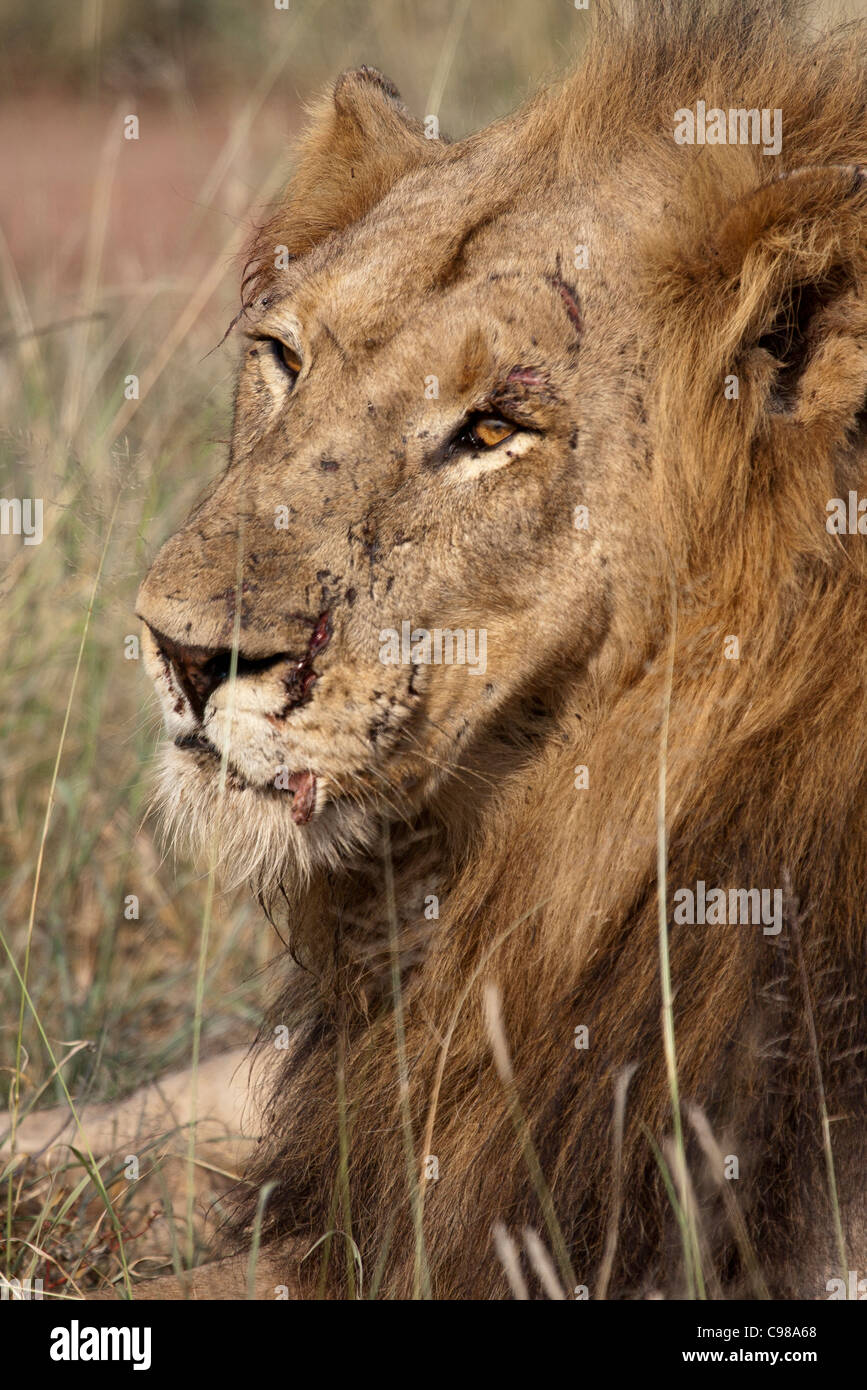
487 431
287 357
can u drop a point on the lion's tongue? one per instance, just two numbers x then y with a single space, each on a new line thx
303 784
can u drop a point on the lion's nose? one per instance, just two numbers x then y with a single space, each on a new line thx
199 670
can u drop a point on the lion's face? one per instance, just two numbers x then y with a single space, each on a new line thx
394 550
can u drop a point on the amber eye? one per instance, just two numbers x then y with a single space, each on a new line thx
487 431
288 357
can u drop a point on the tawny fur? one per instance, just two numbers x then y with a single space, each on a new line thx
707 519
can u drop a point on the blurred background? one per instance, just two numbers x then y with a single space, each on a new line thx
119 258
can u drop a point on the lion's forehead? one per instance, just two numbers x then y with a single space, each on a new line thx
423 261
523 314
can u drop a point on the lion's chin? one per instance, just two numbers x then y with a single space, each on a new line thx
258 836
304 786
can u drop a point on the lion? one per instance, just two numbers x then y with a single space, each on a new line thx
517 661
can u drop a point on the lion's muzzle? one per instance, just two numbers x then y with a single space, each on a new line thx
188 675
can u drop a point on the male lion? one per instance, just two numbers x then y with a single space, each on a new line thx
569 398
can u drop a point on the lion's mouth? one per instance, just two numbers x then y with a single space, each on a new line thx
197 743
302 785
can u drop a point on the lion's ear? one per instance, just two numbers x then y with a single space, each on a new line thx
792 256
360 140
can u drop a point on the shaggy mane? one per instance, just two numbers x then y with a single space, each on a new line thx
553 896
